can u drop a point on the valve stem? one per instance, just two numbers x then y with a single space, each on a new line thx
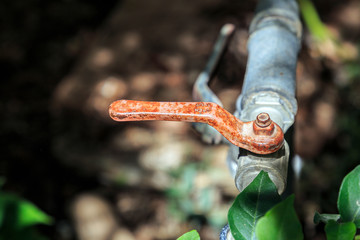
263 120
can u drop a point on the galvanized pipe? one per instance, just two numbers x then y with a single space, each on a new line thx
273 46
269 86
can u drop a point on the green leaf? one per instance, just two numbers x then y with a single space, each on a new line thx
313 21
349 198
17 213
325 217
192 235
251 204
340 231
280 223
29 215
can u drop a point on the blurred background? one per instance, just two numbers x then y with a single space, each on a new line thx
69 172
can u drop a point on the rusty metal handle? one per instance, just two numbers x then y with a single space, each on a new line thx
261 136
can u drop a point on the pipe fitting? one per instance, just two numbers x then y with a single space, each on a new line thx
249 166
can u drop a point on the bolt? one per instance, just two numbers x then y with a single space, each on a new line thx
263 120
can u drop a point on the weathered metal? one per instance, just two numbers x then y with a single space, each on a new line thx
269 86
263 120
247 135
201 90
250 165
269 83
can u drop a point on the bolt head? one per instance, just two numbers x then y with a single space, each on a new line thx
263 120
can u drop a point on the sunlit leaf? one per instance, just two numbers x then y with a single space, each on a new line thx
192 235
349 198
250 205
18 213
313 21
280 223
340 231
29 214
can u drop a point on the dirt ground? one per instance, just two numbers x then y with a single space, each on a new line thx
64 62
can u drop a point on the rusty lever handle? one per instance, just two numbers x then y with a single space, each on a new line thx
261 136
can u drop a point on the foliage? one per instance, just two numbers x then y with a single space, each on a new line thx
18 218
192 235
340 231
349 198
250 205
259 213
344 226
247 215
327 44
280 223
313 21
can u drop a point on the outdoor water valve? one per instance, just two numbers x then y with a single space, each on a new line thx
265 109
257 145
262 136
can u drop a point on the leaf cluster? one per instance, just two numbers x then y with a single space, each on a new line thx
258 213
343 225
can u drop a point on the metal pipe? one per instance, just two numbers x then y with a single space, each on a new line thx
273 46
269 86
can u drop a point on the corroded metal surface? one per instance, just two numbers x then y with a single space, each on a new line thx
263 120
247 135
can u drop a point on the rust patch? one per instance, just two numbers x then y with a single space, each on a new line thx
263 139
